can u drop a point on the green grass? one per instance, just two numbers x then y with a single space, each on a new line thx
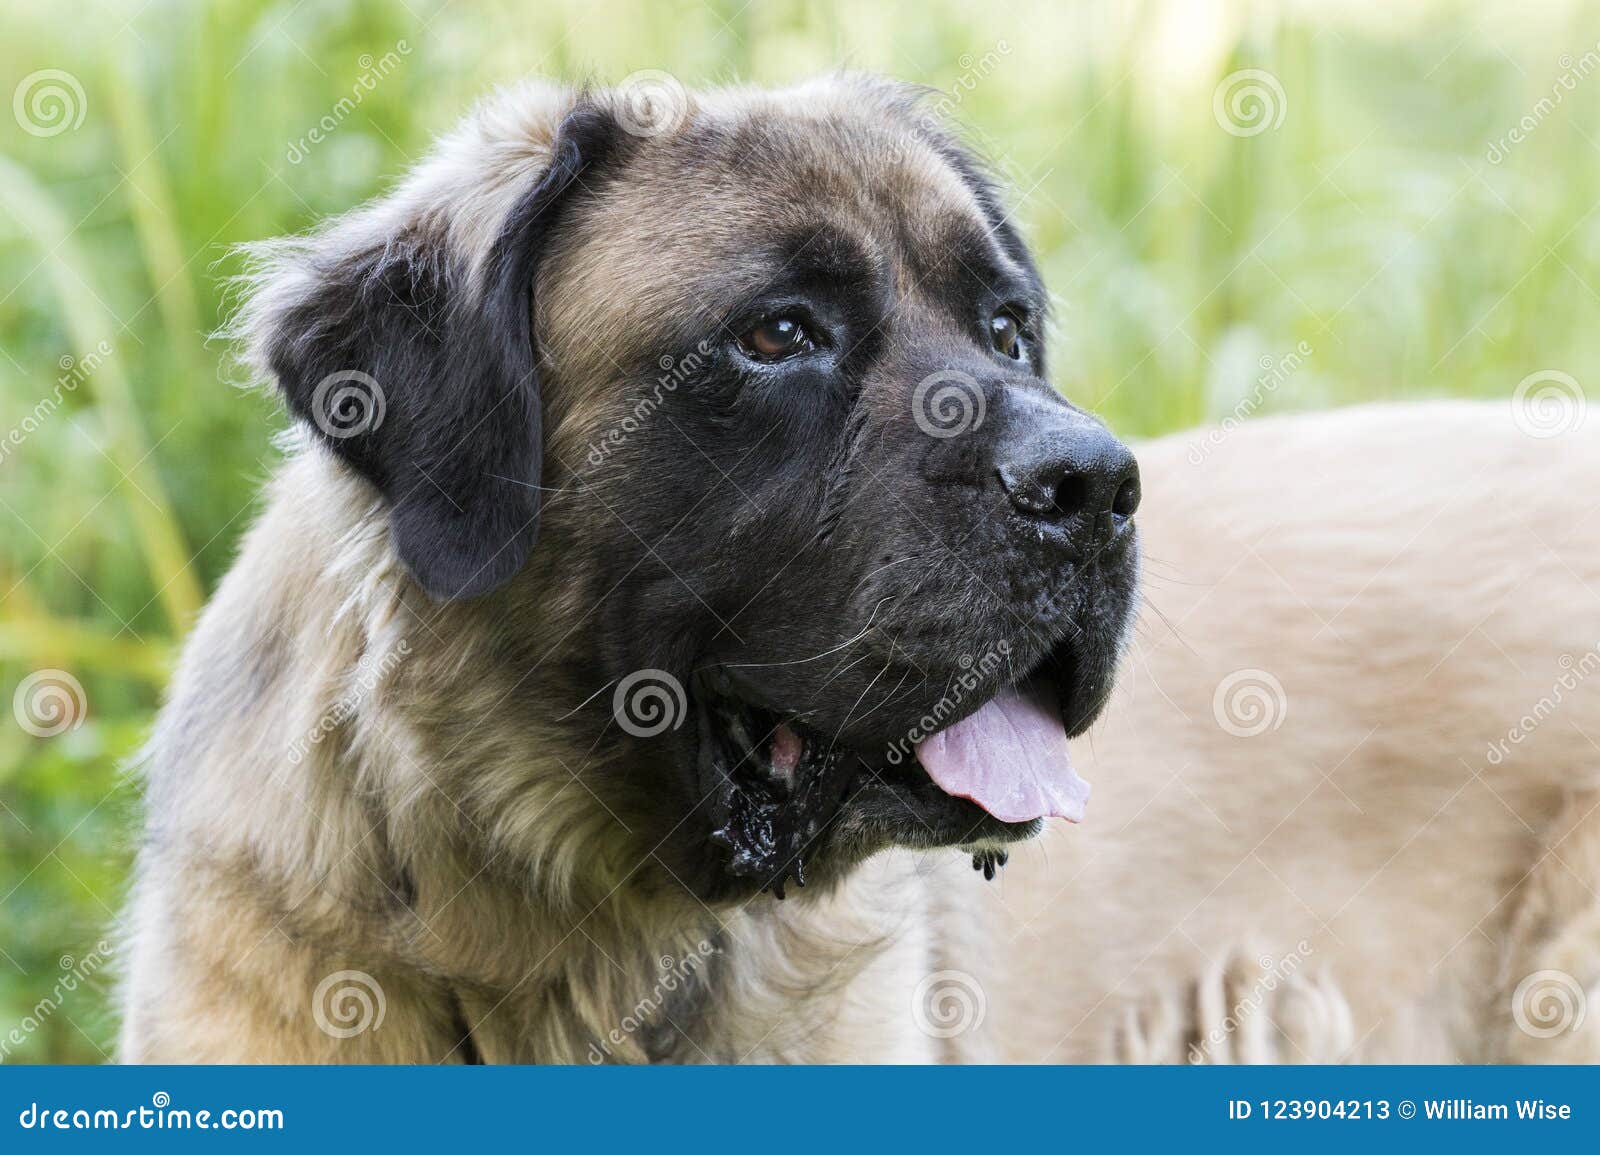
1369 225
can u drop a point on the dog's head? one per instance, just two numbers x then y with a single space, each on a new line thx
748 392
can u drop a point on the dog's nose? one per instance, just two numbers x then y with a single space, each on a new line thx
1073 473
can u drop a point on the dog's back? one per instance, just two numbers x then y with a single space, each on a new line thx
1343 799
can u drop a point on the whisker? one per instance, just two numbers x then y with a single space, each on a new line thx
587 700
851 712
849 665
890 565
889 697
801 661
528 484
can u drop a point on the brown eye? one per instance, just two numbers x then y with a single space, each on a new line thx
776 339
1006 332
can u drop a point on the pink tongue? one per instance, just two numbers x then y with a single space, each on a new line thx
1010 758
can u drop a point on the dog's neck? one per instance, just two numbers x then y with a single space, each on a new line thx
492 871
653 976
759 985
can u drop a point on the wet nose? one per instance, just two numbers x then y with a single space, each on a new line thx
1071 472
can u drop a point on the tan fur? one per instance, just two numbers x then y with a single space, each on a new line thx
1411 576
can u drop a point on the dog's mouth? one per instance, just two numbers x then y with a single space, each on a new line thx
979 773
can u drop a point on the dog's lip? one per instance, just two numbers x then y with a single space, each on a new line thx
789 735
1054 663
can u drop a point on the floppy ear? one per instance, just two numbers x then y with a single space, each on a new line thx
412 357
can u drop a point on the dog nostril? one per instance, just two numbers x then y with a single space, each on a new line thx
1072 491
1127 498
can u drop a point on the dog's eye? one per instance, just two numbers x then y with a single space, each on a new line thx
1006 333
777 338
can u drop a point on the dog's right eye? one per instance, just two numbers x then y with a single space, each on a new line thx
777 339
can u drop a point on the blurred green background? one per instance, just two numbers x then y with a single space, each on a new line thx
1358 201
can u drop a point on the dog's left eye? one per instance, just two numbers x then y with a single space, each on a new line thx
1005 330
777 339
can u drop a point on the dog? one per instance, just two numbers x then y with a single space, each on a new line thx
683 572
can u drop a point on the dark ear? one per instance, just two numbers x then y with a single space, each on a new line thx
416 365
